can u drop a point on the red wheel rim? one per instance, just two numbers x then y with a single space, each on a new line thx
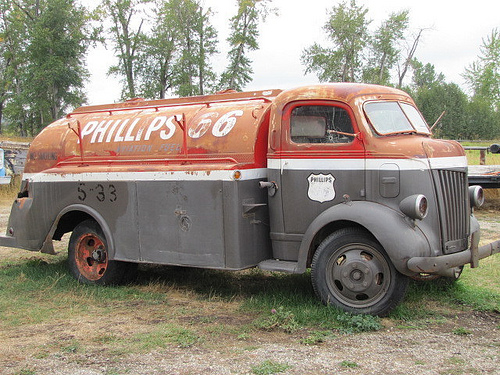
91 257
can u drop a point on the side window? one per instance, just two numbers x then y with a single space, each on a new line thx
320 124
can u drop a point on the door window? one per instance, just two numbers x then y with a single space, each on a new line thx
320 124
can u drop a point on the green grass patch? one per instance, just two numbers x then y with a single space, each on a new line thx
157 336
484 277
461 331
474 158
163 336
316 337
269 368
428 301
349 364
26 371
287 302
37 289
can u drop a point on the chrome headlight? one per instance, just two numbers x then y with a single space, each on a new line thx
414 206
476 196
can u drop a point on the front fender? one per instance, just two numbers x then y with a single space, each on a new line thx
397 234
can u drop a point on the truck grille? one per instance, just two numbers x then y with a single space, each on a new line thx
454 209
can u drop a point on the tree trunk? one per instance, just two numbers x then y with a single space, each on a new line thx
407 63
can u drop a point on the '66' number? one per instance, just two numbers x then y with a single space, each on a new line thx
101 192
221 128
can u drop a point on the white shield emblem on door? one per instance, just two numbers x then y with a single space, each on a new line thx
321 187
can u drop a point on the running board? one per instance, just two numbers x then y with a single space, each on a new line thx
278 265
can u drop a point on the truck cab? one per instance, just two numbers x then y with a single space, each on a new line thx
356 164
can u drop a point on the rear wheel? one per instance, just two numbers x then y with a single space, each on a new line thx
351 270
88 257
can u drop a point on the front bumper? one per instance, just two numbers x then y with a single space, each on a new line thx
441 265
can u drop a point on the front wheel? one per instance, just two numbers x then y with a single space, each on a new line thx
88 257
351 270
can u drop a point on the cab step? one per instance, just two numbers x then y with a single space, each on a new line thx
278 265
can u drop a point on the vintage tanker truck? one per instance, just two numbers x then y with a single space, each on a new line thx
344 179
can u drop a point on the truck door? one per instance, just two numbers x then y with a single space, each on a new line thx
322 161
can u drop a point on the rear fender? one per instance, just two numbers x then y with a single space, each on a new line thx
397 234
90 212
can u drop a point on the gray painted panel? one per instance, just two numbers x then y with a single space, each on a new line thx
411 182
246 224
181 223
173 222
300 210
275 203
111 199
389 180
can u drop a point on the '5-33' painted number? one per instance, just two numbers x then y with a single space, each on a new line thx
101 192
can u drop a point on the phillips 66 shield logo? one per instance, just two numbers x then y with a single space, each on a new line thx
321 187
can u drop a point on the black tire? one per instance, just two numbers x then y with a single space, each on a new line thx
88 257
350 270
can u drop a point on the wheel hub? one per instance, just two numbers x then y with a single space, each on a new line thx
91 256
99 255
359 277
356 276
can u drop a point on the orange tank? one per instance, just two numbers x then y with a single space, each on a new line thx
229 130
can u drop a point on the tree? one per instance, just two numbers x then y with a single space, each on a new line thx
243 38
385 48
425 76
5 56
174 55
47 42
432 101
347 28
482 120
155 66
14 35
56 54
127 36
207 47
464 118
406 62
357 55
483 75
197 40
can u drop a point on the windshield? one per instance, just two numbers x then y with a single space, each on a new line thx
395 117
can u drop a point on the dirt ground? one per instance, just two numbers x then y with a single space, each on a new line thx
434 348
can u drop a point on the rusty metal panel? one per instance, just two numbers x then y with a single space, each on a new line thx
142 135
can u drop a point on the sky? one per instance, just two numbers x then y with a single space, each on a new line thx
454 33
